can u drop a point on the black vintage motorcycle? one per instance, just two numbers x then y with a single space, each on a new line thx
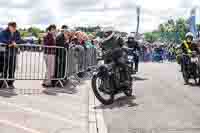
191 67
111 79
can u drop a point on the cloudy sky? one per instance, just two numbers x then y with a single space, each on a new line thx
118 13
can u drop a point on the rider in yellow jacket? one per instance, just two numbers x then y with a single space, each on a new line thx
187 48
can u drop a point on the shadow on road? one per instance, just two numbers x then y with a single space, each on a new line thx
120 102
192 84
70 88
136 78
7 93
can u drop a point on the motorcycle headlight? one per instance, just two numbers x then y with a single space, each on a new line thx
194 59
130 57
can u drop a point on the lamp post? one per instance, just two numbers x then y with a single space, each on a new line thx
138 19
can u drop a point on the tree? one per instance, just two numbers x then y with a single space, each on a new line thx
151 36
173 30
198 30
182 27
35 31
24 33
161 28
89 29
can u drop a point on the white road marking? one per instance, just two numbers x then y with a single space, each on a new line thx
6 122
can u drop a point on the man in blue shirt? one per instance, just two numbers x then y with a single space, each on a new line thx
10 37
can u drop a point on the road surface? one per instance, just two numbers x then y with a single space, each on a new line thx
163 105
34 109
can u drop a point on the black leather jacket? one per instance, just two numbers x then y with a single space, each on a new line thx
134 44
112 43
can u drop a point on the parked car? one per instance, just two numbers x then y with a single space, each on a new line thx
31 44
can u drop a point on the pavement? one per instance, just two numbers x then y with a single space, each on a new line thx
33 109
163 104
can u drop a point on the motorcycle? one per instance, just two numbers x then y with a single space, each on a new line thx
131 59
111 79
190 67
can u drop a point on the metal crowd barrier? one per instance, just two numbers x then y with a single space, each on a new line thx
80 59
39 62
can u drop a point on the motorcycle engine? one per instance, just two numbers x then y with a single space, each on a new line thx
119 56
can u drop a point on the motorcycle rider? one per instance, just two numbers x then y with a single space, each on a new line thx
188 47
132 43
112 46
110 42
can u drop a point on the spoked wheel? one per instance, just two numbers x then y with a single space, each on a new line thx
103 94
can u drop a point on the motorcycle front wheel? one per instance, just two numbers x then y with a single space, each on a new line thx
128 92
100 91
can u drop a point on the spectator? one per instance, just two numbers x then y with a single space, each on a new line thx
62 41
79 57
82 38
63 27
73 41
96 42
11 37
79 47
49 54
90 42
39 41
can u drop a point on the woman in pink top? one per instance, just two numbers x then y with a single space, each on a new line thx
49 55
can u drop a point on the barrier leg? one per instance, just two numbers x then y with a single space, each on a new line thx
60 83
5 83
77 78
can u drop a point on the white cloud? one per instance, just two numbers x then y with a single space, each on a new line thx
120 13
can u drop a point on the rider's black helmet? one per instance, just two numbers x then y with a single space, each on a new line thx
131 38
